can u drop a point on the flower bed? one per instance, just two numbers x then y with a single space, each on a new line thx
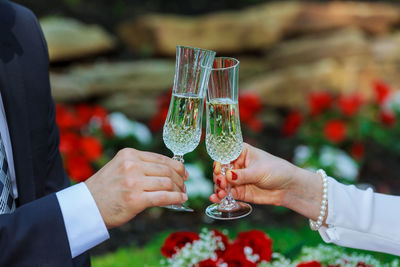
253 249
344 133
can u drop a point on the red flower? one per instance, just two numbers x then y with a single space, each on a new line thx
224 240
388 117
69 143
99 113
382 91
357 150
107 129
259 241
349 105
319 101
175 241
157 122
208 263
91 148
255 125
335 131
310 264
363 264
84 113
235 257
249 105
78 168
292 123
65 119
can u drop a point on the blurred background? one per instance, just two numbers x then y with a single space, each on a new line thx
318 84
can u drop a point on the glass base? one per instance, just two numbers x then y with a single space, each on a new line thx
182 207
241 210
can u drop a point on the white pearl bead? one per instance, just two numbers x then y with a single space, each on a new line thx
325 190
320 218
322 212
323 208
324 202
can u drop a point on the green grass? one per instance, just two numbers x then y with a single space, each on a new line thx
288 241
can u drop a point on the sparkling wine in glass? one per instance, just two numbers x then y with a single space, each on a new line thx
182 128
224 140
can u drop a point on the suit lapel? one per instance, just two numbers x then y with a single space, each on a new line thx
15 106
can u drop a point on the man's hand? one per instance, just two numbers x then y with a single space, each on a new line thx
133 181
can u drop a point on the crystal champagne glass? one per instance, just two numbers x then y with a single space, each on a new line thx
224 137
182 128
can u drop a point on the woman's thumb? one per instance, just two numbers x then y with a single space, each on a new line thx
239 176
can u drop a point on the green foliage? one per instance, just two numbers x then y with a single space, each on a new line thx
72 3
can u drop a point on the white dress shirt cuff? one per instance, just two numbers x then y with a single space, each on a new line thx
83 222
361 219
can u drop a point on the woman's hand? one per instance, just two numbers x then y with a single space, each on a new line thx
262 178
257 177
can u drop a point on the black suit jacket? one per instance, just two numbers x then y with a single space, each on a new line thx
34 235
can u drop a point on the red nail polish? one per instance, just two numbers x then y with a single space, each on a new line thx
218 191
234 176
219 182
213 167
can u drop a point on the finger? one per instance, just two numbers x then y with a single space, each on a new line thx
216 167
161 159
214 198
220 180
159 184
241 160
163 198
240 177
161 170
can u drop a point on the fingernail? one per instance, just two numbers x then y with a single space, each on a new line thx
184 188
234 176
186 174
218 190
219 182
213 168
185 197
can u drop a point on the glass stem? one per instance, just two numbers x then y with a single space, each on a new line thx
178 158
227 203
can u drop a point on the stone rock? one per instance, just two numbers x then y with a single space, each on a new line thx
310 48
137 106
374 18
386 52
253 28
288 87
69 39
148 77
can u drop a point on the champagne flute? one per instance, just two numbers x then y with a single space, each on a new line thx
182 128
224 140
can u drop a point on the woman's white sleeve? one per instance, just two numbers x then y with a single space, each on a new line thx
362 219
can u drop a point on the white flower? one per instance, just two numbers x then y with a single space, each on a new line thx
302 154
123 127
342 164
198 184
327 156
346 167
198 250
393 103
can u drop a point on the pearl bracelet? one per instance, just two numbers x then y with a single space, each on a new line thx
315 225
